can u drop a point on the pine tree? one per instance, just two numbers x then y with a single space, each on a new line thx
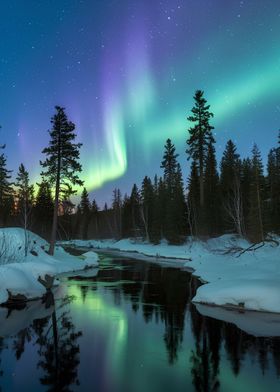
179 207
169 165
135 210
126 217
146 209
6 190
231 190
273 183
85 213
212 194
245 181
200 136
117 211
94 214
25 194
85 203
62 163
193 205
256 213
158 210
43 209
173 213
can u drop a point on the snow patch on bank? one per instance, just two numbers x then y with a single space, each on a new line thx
250 281
19 274
253 323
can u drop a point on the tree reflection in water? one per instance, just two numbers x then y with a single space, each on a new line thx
57 342
59 349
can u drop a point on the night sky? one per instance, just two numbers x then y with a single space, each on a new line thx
126 71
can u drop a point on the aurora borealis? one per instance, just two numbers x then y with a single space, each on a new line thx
126 72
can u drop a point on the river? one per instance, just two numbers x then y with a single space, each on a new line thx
130 327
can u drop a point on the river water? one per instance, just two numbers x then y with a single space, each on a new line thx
130 328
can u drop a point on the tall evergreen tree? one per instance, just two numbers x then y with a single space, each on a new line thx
146 209
169 165
174 194
94 214
179 206
200 136
61 166
245 180
135 210
126 217
6 191
85 203
256 213
273 182
193 205
231 190
85 213
25 194
117 211
158 210
43 210
212 194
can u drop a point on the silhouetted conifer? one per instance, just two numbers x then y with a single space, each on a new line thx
200 136
61 166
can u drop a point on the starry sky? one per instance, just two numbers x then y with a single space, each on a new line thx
126 72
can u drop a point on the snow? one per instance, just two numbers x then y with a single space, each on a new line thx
254 323
15 320
19 274
250 281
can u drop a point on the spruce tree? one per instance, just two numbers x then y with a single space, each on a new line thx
193 205
85 203
25 195
245 180
94 214
126 217
61 166
231 190
172 227
43 210
85 213
179 207
146 209
273 184
200 136
212 194
135 210
158 210
6 191
169 165
256 213
117 212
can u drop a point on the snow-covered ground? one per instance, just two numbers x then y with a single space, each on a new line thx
253 323
19 274
250 280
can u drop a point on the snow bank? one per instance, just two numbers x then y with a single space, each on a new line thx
251 281
259 294
254 323
19 274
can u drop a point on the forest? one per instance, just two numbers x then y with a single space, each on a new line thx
236 195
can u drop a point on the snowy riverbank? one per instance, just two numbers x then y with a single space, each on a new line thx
19 274
249 280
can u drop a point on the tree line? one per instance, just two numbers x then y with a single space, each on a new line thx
236 196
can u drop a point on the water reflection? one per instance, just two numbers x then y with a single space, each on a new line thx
132 328
59 349
55 339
